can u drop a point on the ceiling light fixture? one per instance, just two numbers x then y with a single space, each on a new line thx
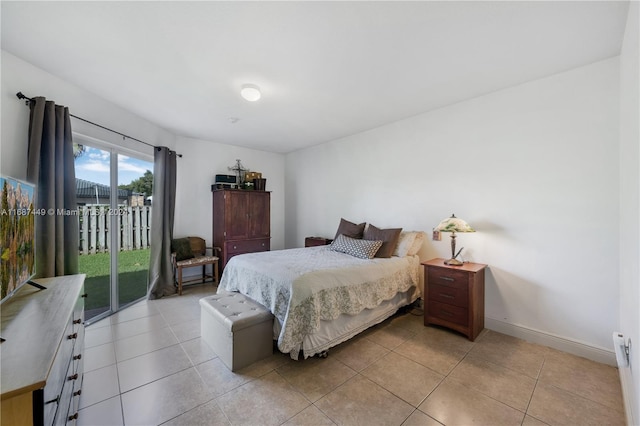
250 92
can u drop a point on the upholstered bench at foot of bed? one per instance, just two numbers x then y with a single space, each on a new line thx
239 330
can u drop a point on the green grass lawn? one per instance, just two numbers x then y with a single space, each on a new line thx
133 267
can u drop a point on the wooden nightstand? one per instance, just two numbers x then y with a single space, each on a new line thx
316 241
454 296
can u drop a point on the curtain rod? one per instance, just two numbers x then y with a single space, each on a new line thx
20 95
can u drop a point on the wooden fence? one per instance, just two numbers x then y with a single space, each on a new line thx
133 225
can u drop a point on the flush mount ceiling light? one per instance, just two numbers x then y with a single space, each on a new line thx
250 92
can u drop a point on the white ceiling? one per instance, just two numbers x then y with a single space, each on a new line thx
326 69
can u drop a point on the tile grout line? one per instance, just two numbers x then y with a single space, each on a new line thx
118 379
526 412
467 355
488 396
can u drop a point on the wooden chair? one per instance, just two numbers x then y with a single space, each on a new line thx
199 250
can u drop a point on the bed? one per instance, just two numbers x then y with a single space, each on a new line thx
321 297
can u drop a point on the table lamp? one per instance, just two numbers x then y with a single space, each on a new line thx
453 224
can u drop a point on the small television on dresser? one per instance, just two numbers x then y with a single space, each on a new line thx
17 234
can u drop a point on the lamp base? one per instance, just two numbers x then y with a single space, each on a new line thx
453 262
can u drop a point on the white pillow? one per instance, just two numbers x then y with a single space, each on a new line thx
409 243
417 243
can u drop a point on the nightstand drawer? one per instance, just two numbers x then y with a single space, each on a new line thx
450 313
448 278
450 295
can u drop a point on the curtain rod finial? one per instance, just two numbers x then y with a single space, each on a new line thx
21 95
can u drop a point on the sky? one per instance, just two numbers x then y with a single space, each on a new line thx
93 165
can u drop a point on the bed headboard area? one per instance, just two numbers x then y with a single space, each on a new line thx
395 241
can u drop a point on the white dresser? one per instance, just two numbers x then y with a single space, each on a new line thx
41 368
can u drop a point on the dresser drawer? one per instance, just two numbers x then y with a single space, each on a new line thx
448 278
58 375
450 313
74 405
247 246
78 312
78 352
449 294
65 396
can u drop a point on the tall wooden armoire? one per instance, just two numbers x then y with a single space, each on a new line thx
241 222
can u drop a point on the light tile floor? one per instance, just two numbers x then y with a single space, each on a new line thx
147 365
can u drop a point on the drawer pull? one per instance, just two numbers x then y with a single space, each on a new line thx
77 357
72 336
74 417
85 295
74 377
56 400
77 393
77 321
447 279
235 247
449 314
447 296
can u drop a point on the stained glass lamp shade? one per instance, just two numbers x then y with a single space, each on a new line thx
453 224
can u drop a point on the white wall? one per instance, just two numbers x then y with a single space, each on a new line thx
20 76
630 197
200 162
533 168
196 169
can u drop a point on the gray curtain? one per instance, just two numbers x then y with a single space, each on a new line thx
164 201
51 167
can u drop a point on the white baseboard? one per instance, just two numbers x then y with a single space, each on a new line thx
622 347
627 394
593 353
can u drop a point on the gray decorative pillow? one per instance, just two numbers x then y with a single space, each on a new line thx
364 249
389 239
350 229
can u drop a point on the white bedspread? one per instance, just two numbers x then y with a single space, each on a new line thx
303 286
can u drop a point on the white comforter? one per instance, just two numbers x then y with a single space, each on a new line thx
303 286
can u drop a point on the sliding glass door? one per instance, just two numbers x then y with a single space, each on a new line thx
114 200
93 192
134 225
